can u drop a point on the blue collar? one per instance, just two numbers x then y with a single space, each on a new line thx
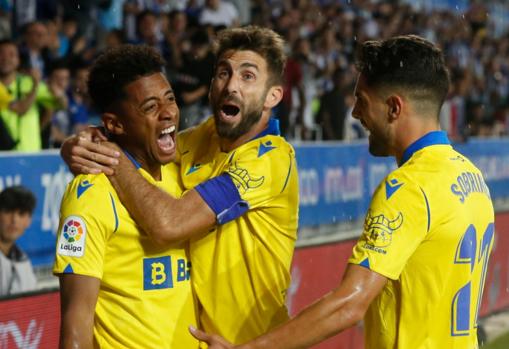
133 160
432 138
272 129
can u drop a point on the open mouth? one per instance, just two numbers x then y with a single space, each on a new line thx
166 139
229 110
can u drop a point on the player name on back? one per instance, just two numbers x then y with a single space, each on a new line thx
467 183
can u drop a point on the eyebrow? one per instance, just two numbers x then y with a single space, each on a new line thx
168 91
243 65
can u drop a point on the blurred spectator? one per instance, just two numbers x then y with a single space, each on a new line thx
149 32
5 19
332 112
193 79
16 273
34 52
32 100
75 117
219 13
321 37
353 128
293 87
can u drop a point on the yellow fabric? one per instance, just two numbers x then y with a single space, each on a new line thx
5 97
26 128
145 298
241 270
429 230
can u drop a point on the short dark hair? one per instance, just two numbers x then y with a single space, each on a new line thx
263 41
17 198
116 68
8 42
409 63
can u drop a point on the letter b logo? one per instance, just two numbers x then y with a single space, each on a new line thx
157 273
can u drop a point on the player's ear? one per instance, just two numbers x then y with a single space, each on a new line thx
112 123
274 96
394 107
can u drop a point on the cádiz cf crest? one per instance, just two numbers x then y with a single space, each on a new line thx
243 181
380 228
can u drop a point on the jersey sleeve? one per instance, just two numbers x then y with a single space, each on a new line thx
252 177
87 219
396 223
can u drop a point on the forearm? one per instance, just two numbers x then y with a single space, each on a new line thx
154 210
78 296
21 106
328 316
76 335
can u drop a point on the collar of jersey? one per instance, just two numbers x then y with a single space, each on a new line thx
432 138
133 160
272 129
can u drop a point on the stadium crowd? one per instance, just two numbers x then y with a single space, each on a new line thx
57 40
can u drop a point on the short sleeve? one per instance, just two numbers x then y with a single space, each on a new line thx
87 219
394 226
254 176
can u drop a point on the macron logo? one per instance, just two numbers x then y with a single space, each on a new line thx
193 169
391 187
265 148
83 186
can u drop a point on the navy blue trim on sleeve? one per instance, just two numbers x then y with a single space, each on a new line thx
222 196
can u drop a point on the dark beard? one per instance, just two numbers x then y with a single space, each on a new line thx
224 130
250 118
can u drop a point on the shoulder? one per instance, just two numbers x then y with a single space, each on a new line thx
192 136
266 148
84 189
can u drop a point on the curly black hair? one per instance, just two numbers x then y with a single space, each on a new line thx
116 68
408 63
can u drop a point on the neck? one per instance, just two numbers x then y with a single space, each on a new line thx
228 145
8 78
143 160
5 247
411 133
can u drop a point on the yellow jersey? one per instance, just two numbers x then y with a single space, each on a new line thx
145 298
429 230
241 269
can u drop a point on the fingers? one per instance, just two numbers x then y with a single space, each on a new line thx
95 152
199 334
96 133
213 340
83 166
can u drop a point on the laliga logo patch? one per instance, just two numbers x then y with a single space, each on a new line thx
72 237
380 228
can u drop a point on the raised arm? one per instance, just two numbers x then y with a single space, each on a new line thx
78 297
333 313
164 218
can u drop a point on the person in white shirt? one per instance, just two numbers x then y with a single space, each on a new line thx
16 273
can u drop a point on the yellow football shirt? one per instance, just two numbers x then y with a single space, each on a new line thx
145 298
241 269
429 230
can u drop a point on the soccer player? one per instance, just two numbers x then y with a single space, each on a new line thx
241 208
417 273
118 288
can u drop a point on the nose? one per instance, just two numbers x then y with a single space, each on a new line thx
232 86
169 110
355 112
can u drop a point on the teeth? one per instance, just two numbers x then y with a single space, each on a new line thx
168 130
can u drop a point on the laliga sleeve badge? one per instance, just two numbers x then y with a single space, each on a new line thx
72 237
